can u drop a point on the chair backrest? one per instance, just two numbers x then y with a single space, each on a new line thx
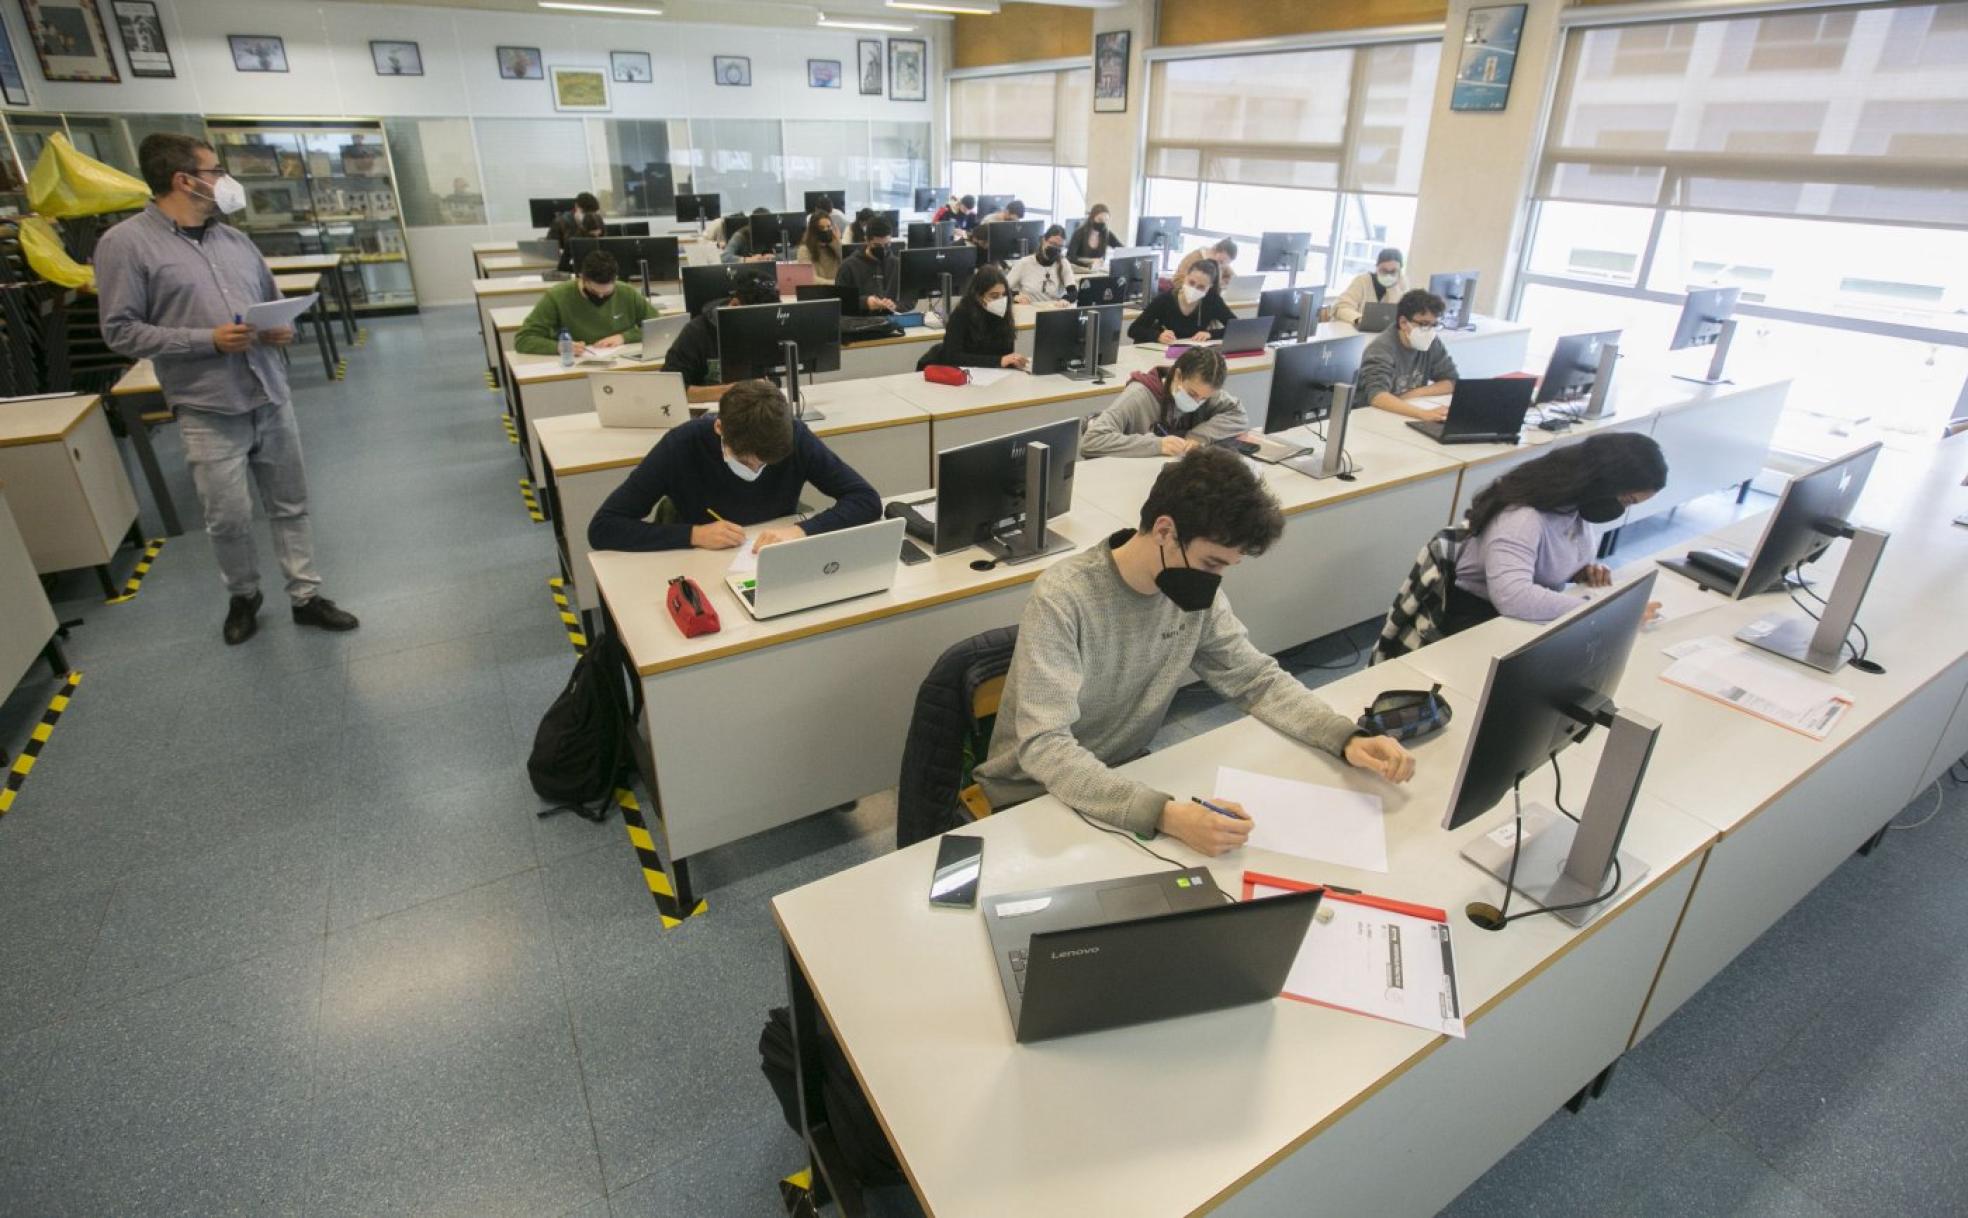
950 734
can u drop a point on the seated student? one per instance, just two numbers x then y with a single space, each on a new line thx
1384 282
1165 412
740 248
871 280
1529 534
746 464
696 345
961 212
729 227
1408 360
1192 307
1090 245
1044 274
1013 211
1223 253
820 247
593 308
584 221
1111 633
980 332
857 232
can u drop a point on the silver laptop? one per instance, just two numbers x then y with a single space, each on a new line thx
639 399
1376 316
1244 287
837 566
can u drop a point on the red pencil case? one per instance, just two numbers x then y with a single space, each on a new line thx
944 374
690 609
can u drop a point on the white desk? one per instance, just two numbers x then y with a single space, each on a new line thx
514 265
481 250
516 292
27 622
71 497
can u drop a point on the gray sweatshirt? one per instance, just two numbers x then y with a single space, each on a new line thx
1391 366
1096 668
1127 427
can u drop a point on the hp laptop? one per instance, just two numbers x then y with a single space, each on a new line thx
639 399
1103 955
1246 336
1488 411
837 566
793 276
1376 316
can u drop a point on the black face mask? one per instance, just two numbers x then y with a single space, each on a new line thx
1048 256
1099 226
1192 591
599 302
878 252
1603 509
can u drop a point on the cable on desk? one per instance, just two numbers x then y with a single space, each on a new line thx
1796 572
1143 847
1505 917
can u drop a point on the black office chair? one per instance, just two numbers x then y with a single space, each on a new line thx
956 708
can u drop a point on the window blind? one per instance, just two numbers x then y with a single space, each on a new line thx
1031 118
1845 114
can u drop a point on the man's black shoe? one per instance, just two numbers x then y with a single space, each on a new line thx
322 612
242 619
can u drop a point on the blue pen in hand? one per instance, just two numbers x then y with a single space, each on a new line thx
1204 803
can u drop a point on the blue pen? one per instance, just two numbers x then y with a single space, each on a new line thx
1219 811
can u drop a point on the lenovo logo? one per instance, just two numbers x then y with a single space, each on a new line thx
1070 952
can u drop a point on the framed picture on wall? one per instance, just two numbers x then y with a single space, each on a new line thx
142 31
631 67
70 42
869 52
258 52
13 86
580 89
906 81
733 70
1110 71
1489 58
823 73
520 63
397 58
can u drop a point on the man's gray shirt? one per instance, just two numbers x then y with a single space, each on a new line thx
164 291
1391 366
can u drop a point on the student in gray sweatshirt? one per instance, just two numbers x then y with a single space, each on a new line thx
1111 633
1165 412
1407 360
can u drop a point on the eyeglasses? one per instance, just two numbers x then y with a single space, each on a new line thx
199 173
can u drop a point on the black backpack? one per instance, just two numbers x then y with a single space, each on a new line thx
864 1149
581 747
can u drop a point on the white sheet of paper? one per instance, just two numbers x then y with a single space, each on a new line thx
1330 824
1762 686
274 314
1379 962
988 376
745 561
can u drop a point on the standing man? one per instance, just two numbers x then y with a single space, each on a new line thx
174 285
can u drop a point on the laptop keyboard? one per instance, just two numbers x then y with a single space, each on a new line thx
1426 427
1018 968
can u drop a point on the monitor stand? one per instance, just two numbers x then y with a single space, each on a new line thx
1561 863
789 352
1821 644
1330 461
1716 362
1088 368
1602 383
1032 540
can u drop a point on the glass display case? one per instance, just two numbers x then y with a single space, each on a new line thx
315 187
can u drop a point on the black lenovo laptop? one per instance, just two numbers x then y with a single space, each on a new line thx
1484 411
1148 947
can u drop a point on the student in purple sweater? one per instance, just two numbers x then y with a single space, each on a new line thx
1529 534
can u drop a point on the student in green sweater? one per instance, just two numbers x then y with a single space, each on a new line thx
592 307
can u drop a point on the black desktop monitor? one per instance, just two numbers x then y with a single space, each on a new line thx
1282 251
991 205
894 218
1702 315
630 253
981 488
923 235
703 284
1099 290
1574 367
1164 233
701 208
929 198
1297 311
1812 512
1059 339
1543 695
752 338
1136 277
1303 377
923 270
545 211
832 200
1458 290
1010 240
628 228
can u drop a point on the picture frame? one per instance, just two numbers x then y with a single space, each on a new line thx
257 52
1110 71
823 73
271 202
244 161
1488 58
631 68
580 90
70 41
520 63
396 58
732 71
13 86
868 55
907 73
144 44
361 160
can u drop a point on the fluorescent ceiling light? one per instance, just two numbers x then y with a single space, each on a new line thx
631 10
974 7
889 27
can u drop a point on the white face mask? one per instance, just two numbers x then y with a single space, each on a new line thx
1386 280
998 307
228 195
1192 295
1421 338
1186 402
745 472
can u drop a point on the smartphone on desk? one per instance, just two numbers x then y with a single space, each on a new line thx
959 864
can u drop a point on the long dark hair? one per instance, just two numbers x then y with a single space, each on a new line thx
810 239
986 278
1610 463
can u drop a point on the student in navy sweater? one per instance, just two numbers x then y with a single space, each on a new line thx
743 465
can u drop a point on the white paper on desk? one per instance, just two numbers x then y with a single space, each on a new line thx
988 376
746 560
1376 961
1762 686
277 314
1330 824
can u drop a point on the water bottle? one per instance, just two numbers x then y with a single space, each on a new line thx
566 349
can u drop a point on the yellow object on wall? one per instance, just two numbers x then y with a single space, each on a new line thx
65 183
1032 32
49 260
1190 22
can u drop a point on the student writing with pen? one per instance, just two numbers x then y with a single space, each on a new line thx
746 464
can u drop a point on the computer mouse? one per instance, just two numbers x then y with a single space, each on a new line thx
1554 424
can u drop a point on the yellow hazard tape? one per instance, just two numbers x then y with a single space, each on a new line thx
131 586
512 432
361 337
668 907
532 504
36 741
569 620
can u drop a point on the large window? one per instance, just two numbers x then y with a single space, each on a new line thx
1327 141
436 173
1814 160
1023 134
